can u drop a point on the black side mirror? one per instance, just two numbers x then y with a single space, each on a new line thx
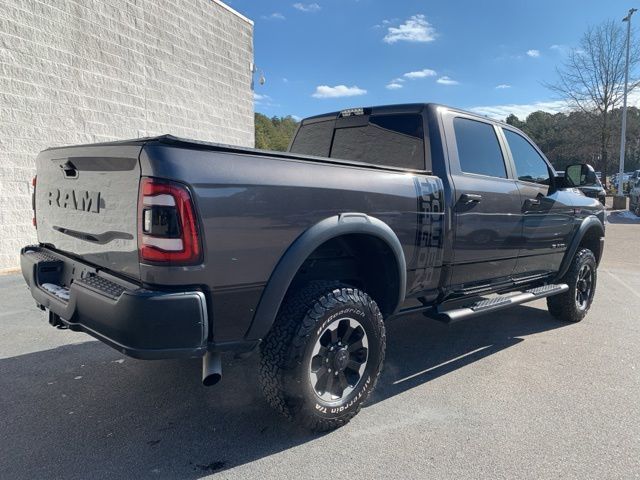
579 175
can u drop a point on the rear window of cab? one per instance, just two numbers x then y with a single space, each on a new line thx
393 140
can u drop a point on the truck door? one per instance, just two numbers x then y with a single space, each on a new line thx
486 209
546 214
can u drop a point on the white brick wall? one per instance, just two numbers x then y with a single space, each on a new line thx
80 71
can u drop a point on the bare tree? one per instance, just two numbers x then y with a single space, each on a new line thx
592 77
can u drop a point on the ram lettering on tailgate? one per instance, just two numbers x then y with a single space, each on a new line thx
75 200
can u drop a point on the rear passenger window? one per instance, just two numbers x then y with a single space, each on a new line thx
530 166
478 148
395 140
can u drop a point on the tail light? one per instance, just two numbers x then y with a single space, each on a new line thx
33 201
167 226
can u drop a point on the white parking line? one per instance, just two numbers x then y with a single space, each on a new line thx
622 282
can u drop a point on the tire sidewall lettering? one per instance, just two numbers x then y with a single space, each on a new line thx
328 410
366 383
343 312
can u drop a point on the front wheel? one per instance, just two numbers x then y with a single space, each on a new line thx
323 356
573 305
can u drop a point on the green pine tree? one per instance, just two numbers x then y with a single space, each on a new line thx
274 133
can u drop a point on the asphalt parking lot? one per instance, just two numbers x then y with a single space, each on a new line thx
513 395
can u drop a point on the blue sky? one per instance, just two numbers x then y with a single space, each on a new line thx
490 56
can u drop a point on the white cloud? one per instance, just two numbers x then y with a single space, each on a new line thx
522 110
263 100
633 98
398 80
415 29
307 7
559 48
447 81
394 86
501 112
385 23
274 16
325 91
427 72
503 86
533 53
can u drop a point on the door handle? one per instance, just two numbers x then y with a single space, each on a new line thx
470 198
531 202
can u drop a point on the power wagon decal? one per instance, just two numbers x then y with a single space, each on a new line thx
428 250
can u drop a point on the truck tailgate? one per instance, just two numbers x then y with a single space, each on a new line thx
86 204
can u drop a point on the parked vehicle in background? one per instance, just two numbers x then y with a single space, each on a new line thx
168 248
634 198
592 186
625 181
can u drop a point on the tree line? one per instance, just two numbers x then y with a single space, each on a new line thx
590 80
274 133
567 138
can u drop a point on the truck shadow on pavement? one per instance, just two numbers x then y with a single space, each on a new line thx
85 411
624 217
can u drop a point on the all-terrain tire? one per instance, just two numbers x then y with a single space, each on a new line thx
287 353
573 305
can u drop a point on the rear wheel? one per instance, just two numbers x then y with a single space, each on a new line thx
573 305
323 356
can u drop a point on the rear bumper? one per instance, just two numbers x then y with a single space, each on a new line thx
138 322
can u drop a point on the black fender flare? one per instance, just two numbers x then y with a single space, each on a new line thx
303 246
587 224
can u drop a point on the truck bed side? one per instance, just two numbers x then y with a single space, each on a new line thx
253 206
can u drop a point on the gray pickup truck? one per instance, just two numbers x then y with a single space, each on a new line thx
167 248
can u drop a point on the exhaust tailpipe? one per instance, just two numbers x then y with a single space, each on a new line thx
211 369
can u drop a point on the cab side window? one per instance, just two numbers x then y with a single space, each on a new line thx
530 166
478 149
